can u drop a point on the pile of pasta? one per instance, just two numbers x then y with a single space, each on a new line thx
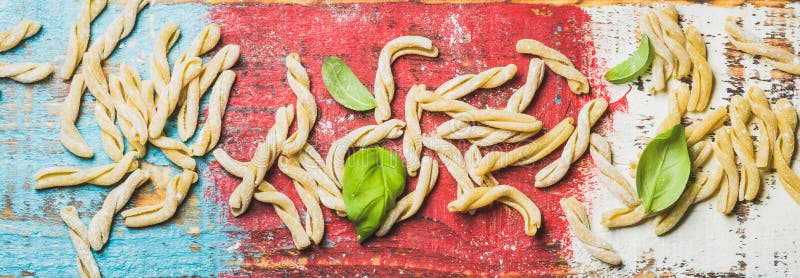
133 112
731 165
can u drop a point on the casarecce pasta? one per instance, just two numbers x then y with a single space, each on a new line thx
664 61
175 151
186 69
70 108
749 43
177 189
23 30
614 180
265 155
187 115
579 221
104 111
518 102
767 126
130 119
306 188
100 226
677 108
702 76
575 146
557 62
528 153
119 29
412 137
478 197
361 137
729 186
87 267
750 178
103 175
465 112
463 85
25 72
472 160
306 106
784 148
384 81
159 64
79 35
329 193
286 211
453 160
710 122
208 137
410 204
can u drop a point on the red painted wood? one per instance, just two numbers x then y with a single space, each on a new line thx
471 38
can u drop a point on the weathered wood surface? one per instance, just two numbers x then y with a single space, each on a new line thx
205 239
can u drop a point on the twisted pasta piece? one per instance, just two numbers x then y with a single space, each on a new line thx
104 111
361 137
463 85
329 194
767 126
472 160
177 190
677 108
710 178
130 119
624 217
410 204
79 35
729 187
265 155
579 221
70 136
464 112
702 76
104 175
575 146
453 160
557 62
182 74
784 148
159 64
664 61
100 226
666 221
711 122
750 180
119 29
306 106
209 135
384 81
87 267
286 211
518 102
11 38
675 40
748 43
206 40
528 153
138 94
25 72
478 197
187 115
307 190
412 137
614 180
175 151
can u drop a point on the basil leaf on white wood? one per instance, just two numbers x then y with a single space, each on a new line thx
663 170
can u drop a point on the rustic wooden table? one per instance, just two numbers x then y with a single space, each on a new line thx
204 239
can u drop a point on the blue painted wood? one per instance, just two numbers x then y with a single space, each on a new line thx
33 238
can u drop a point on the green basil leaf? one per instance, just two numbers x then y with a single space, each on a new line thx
373 179
344 85
634 66
663 170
